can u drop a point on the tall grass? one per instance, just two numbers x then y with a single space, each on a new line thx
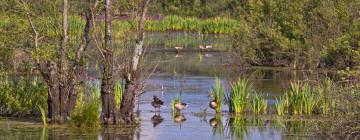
43 115
259 104
87 109
118 94
239 95
217 94
303 99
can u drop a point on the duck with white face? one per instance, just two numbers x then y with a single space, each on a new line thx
180 106
213 104
157 103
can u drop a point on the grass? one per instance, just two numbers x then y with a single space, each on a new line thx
173 102
87 109
259 104
281 106
217 94
118 94
239 95
43 115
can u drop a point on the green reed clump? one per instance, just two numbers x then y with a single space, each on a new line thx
118 94
302 99
21 97
325 90
259 104
43 115
217 94
281 106
239 95
87 109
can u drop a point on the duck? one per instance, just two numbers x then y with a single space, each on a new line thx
202 48
157 103
180 106
213 104
208 47
178 49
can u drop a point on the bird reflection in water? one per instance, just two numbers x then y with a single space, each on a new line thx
156 119
179 118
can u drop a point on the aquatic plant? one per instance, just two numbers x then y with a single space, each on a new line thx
238 97
217 126
87 109
43 115
238 127
173 102
217 94
118 94
281 106
21 97
259 104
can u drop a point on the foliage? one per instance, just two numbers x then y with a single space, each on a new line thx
217 94
118 93
315 33
259 104
87 109
239 95
21 97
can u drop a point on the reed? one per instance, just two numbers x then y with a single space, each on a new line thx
281 106
259 104
217 94
118 93
239 95
43 115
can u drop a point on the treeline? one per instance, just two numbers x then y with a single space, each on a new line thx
299 34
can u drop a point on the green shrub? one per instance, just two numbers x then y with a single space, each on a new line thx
21 97
87 109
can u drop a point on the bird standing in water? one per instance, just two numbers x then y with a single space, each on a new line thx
157 103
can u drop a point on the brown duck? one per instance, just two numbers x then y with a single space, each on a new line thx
180 106
213 104
157 103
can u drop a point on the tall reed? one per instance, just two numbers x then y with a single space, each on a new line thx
259 104
118 94
217 94
43 114
239 95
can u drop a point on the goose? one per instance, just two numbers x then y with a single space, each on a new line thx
178 49
157 103
213 104
180 106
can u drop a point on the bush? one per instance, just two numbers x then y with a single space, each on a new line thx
21 97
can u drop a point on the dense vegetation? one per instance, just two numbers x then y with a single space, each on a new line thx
300 34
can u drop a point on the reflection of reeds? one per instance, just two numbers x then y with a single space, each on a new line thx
43 114
238 97
237 127
218 127
217 94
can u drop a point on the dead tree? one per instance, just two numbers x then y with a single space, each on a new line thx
108 104
62 77
134 84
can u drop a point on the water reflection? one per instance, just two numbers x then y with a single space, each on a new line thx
179 118
217 126
237 127
156 119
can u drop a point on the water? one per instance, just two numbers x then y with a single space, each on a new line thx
191 75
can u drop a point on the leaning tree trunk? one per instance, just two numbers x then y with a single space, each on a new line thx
133 85
108 113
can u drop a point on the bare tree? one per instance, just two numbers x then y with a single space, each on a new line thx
108 113
134 85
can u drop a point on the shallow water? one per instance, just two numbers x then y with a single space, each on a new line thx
189 74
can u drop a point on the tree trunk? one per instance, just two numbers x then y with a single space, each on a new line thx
108 114
133 85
